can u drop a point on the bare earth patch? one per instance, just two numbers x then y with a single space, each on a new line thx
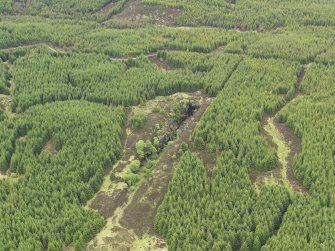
3 176
220 49
106 204
160 63
135 11
49 45
49 148
105 9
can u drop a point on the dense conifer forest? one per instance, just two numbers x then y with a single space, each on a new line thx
167 125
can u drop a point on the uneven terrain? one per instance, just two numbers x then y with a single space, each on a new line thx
130 214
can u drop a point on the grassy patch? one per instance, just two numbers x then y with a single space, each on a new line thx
283 150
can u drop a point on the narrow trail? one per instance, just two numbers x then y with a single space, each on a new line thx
287 144
49 45
163 65
130 224
105 8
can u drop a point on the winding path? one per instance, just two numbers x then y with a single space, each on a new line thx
287 144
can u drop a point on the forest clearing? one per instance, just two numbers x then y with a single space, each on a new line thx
167 125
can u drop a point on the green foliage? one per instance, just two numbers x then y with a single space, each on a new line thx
42 76
131 179
134 166
4 79
93 37
327 57
213 70
43 209
23 30
291 43
157 109
232 122
249 14
228 213
312 117
112 177
145 149
6 6
51 190
156 142
138 120
302 45
183 147
69 8
151 39
199 212
117 8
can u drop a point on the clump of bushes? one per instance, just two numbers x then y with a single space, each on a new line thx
144 149
138 120
183 148
135 166
131 179
158 109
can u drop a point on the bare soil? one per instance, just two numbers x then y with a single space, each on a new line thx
220 49
49 148
160 63
136 11
3 175
106 204
105 9
49 45
5 103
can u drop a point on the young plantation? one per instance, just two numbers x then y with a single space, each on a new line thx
167 125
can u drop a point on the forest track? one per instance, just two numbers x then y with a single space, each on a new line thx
162 64
153 57
131 224
287 145
49 45
103 10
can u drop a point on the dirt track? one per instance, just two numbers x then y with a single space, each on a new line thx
49 45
